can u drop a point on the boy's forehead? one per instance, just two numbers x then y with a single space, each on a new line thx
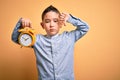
51 14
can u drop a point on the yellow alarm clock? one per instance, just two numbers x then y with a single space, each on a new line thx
26 37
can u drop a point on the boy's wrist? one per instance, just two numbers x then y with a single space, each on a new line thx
70 18
19 24
20 20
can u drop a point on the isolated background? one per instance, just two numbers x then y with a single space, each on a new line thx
97 54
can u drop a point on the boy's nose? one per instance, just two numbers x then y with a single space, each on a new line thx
51 24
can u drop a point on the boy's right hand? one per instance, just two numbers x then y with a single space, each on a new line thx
63 18
26 22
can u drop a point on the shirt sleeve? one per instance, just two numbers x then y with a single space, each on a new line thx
15 33
81 28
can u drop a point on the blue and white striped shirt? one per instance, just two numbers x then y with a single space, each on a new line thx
54 54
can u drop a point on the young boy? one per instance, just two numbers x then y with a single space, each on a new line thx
54 52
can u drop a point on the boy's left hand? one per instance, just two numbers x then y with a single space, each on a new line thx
63 18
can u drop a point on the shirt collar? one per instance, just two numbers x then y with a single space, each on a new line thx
51 37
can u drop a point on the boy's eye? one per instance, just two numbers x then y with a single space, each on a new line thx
55 20
47 21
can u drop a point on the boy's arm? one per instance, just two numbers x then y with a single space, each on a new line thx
23 22
15 33
81 30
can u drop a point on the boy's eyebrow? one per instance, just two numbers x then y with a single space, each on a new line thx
53 19
47 19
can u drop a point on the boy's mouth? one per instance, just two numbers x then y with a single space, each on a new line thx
52 30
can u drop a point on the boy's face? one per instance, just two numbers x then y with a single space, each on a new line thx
51 23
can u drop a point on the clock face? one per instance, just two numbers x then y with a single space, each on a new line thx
25 40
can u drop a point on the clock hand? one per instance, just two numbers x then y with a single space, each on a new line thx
26 39
23 38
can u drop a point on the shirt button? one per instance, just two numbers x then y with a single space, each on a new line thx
55 55
56 74
55 64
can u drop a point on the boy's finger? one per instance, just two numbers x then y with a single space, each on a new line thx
23 24
30 25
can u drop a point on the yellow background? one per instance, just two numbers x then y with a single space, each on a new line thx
97 54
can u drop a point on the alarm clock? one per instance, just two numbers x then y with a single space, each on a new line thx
26 37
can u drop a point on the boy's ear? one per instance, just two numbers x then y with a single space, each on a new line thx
60 25
41 23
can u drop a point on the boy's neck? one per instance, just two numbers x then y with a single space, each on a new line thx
49 36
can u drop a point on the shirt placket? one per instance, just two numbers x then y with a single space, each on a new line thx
54 56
